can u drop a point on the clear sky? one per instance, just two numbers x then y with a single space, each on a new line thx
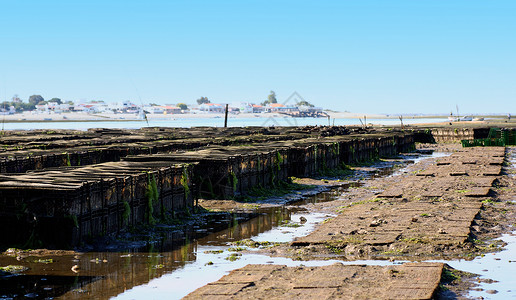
361 56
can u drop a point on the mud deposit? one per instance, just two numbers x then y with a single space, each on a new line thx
447 208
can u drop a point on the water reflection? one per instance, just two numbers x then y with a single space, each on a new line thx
102 275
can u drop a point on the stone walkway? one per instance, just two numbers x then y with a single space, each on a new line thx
428 212
337 281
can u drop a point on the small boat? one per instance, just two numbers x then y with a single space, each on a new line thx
458 119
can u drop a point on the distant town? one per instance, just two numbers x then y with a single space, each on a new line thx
36 104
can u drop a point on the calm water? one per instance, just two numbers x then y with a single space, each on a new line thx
212 122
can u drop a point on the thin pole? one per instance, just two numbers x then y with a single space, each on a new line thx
226 116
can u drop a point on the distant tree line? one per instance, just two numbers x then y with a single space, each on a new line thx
20 106
203 100
271 99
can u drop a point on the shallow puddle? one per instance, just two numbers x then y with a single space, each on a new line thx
500 267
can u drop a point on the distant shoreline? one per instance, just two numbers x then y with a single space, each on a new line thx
28 117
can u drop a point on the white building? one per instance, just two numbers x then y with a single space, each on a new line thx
244 107
211 108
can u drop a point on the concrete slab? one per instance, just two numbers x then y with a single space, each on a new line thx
337 281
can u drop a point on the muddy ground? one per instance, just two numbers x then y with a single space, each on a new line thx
414 217
441 208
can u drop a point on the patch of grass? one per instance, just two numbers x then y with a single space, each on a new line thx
327 220
489 246
341 209
393 252
152 195
44 261
233 256
414 240
451 276
335 249
338 246
503 189
462 191
127 211
13 269
254 244
236 249
184 182
287 223
352 240
233 180
213 251
436 199
251 206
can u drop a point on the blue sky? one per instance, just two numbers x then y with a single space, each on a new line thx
359 56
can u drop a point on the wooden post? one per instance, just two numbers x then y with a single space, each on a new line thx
226 116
